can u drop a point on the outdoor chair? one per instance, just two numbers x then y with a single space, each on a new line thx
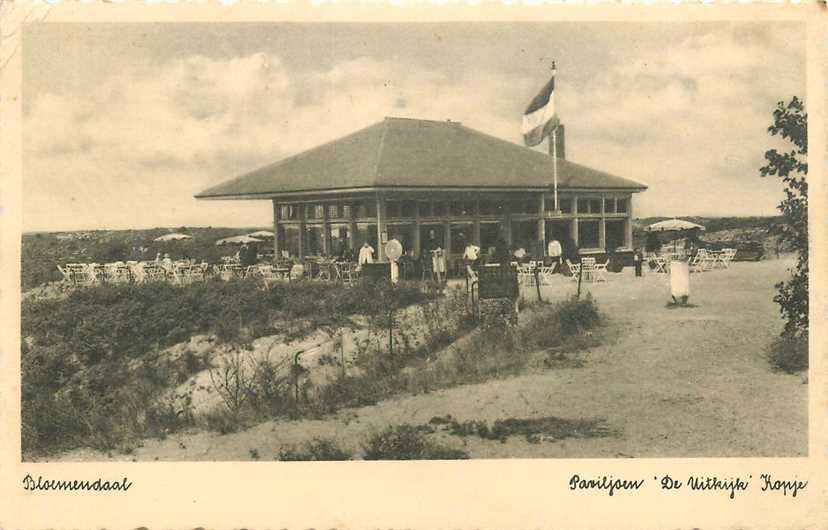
660 263
575 269
345 272
588 269
546 273
152 272
118 272
600 270
76 274
526 274
726 257
97 272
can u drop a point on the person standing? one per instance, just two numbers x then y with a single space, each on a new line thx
554 251
638 260
471 255
366 255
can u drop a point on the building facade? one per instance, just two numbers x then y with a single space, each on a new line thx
427 184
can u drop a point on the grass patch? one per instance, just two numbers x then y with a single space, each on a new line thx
789 353
407 442
317 449
534 430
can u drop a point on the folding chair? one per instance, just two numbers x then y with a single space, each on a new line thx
67 275
600 270
588 269
575 269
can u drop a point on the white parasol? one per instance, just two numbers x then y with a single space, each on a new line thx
173 237
237 240
673 225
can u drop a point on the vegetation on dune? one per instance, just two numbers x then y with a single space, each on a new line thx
790 121
90 363
407 442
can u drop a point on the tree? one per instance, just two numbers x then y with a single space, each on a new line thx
790 121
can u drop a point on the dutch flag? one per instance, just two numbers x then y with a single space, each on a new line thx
540 119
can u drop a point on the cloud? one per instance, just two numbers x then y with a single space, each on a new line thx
133 150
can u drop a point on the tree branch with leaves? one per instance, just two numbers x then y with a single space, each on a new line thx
790 121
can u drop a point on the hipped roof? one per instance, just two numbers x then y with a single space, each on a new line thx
410 153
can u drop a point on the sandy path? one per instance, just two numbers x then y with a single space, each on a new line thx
673 382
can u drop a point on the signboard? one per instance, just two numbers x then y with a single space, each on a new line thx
393 249
497 281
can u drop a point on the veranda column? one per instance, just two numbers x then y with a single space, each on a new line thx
476 225
573 227
602 227
541 225
276 242
628 239
417 243
326 230
380 227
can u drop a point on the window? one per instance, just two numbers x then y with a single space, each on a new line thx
592 206
517 206
609 205
565 205
366 232
424 209
288 212
440 209
333 211
392 209
314 211
366 209
346 211
313 240
489 234
457 209
460 235
339 239
621 206
489 207
531 206
289 240
404 233
588 234
408 208
616 234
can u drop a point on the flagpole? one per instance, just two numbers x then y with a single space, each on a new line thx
553 140
553 150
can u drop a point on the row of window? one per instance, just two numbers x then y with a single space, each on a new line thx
524 235
410 209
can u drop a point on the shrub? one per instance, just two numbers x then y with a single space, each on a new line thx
577 315
789 352
317 449
407 442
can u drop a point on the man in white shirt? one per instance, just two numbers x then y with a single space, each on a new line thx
366 254
470 256
554 251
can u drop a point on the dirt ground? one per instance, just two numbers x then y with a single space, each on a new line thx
685 382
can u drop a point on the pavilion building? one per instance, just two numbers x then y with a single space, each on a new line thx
413 179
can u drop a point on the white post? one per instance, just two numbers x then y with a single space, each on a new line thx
553 140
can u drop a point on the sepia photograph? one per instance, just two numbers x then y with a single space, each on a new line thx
461 240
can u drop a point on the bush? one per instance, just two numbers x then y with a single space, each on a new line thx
317 449
576 315
789 353
407 442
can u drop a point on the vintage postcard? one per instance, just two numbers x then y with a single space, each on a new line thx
358 266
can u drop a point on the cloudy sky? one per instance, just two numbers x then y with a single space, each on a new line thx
124 123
